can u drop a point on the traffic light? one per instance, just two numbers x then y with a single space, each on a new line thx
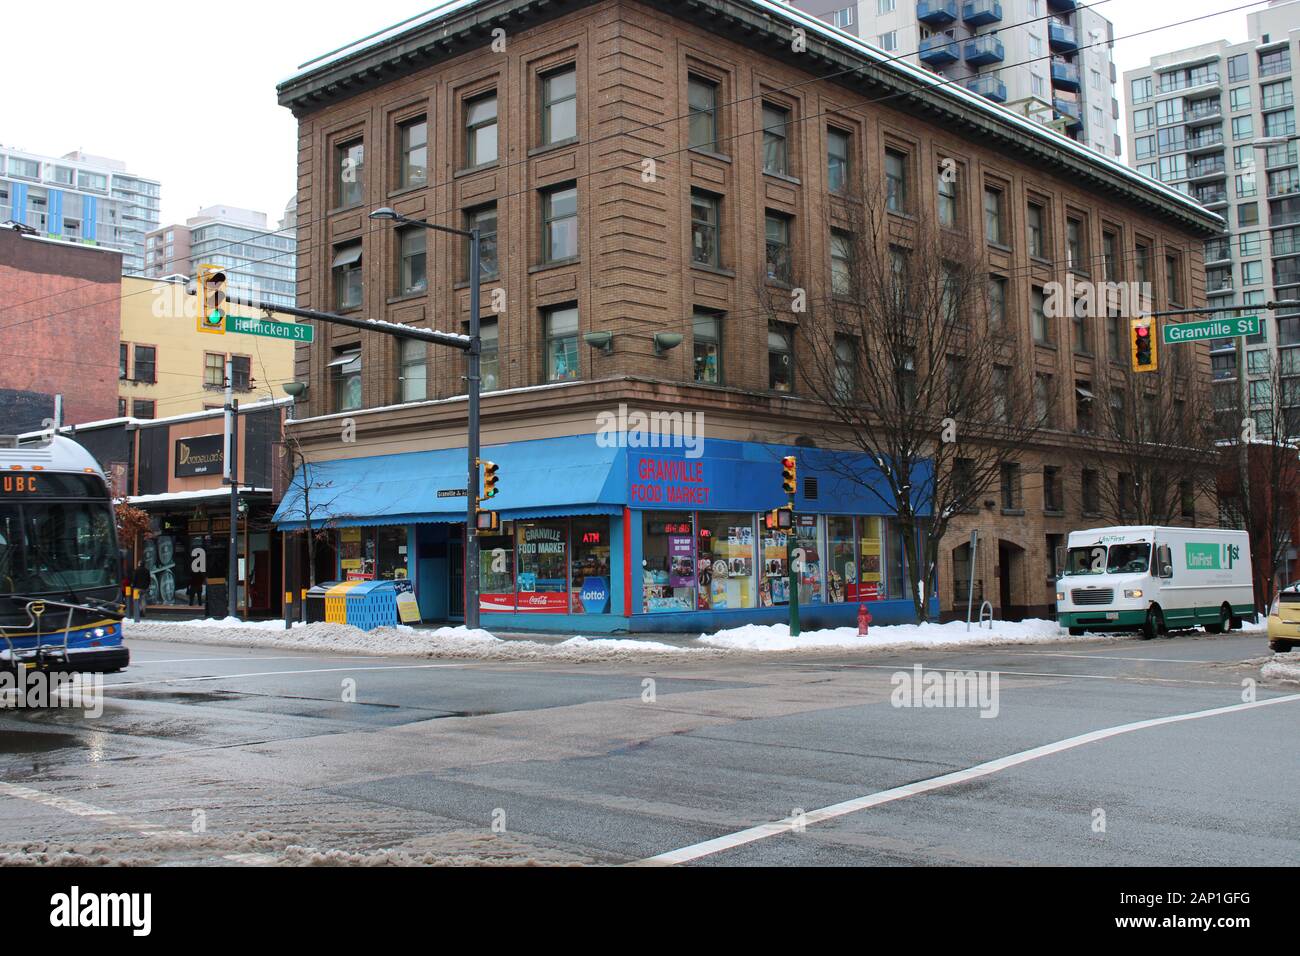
212 300
781 518
486 521
789 480
1143 333
490 490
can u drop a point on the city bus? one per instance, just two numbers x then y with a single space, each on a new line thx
61 606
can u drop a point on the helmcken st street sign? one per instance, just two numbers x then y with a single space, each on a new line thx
269 328
1214 329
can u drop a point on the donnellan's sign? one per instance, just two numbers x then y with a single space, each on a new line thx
196 457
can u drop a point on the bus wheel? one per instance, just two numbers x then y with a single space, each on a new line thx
1078 631
1155 625
1224 622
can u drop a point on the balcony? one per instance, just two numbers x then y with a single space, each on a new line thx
937 13
1205 139
988 86
1065 75
1203 111
978 13
981 51
1060 37
1210 198
1217 283
1064 6
1218 251
939 51
1068 109
1214 168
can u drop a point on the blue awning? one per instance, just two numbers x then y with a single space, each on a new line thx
549 477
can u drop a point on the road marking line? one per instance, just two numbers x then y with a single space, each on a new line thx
320 670
753 834
946 669
137 661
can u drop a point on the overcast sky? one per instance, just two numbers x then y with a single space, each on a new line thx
135 80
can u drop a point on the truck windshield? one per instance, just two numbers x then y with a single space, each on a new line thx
1118 559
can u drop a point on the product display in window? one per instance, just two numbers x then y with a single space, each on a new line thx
726 562
668 565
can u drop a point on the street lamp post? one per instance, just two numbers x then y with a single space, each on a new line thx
472 442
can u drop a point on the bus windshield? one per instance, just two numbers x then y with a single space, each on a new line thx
1118 559
56 547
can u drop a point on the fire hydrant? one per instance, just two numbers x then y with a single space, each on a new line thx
864 620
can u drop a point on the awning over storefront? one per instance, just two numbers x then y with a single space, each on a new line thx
550 477
583 475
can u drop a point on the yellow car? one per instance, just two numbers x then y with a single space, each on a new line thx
1284 619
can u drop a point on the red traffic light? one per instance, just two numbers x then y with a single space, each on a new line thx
1143 331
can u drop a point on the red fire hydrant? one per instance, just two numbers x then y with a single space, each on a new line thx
864 620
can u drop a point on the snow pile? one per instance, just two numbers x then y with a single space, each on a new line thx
460 643
776 637
1283 667
456 643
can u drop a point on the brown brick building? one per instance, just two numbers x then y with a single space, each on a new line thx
615 151
59 313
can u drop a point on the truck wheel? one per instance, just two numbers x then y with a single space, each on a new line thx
1078 631
1224 622
1155 625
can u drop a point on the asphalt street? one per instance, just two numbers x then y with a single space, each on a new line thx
229 756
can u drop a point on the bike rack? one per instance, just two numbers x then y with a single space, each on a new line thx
989 607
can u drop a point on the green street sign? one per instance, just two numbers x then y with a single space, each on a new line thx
269 328
1214 329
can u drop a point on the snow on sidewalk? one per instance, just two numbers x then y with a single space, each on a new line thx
1285 667
458 643
465 644
776 637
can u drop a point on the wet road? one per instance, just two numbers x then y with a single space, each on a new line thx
233 757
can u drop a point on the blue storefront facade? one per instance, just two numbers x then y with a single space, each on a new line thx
605 536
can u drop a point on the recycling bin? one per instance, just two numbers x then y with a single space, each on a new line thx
336 609
372 604
315 606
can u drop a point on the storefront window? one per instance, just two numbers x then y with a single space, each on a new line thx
902 587
774 583
496 571
542 581
668 567
354 561
842 570
590 571
871 578
726 562
808 540
392 554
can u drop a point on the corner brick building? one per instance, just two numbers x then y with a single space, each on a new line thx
59 318
615 152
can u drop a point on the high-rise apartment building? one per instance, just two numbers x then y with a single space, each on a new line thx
1048 59
261 261
1218 122
80 198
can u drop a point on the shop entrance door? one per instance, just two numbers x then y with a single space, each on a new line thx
456 575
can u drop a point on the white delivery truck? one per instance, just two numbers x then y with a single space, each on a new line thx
1152 579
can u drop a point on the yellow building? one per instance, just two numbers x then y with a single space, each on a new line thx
166 366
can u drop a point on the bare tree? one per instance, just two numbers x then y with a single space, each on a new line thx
1154 455
1259 477
915 370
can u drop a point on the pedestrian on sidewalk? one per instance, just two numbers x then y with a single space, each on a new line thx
141 581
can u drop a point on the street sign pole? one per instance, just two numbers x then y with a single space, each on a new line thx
471 500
